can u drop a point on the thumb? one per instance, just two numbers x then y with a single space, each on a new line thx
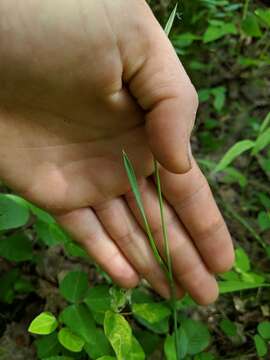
159 83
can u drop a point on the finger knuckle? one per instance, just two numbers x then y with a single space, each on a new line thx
211 227
126 239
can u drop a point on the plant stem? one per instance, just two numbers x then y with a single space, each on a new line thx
245 9
164 228
168 260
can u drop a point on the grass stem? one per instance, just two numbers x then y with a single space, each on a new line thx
168 260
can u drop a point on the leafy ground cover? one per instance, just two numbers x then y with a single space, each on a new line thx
56 304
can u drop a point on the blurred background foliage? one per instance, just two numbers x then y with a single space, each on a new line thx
225 48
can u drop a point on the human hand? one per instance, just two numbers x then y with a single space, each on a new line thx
81 80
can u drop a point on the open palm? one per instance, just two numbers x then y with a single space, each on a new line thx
85 85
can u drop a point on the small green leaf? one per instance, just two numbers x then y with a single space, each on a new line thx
241 260
236 150
40 214
12 213
16 248
119 334
148 340
264 220
50 233
161 327
107 358
170 21
79 319
228 327
265 165
169 345
264 15
47 346
262 141
197 334
212 33
185 40
99 345
250 26
265 123
43 324
204 95
232 286
219 97
215 32
265 200
74 286
151 312
98 298
260 345
141 296
264 329
136 352
70 341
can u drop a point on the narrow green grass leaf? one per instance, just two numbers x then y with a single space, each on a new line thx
168 259
265 123
232 286
262 141
170 22
135 189
235 151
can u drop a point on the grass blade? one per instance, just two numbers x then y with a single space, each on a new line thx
167 29
164 228
168 261
236 150
135 189
170 21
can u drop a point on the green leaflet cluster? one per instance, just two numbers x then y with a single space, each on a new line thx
93 325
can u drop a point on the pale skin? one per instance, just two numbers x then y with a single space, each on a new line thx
80 81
